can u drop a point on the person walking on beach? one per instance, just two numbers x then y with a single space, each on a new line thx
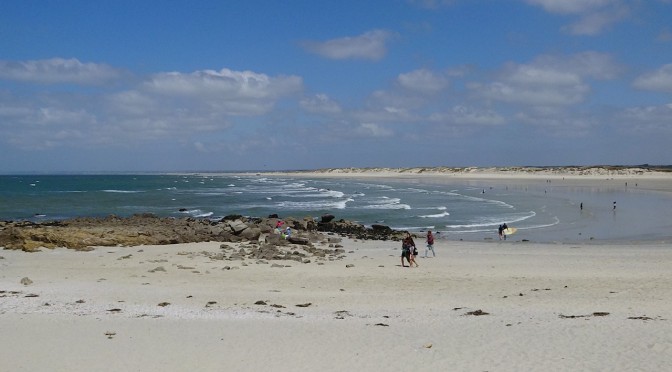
413 249
501 231
406 252
430 244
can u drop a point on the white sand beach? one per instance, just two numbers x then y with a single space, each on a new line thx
549 308
477 306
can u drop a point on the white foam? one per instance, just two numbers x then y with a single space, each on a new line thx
314 205
494 221
438 215
123 191
206 214
387 203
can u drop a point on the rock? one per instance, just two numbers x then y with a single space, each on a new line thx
349 265
237 226
327 218
428 345
232 217
298 240
252 233
381 229
26 281
148 229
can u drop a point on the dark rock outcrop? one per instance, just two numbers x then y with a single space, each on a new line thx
148 229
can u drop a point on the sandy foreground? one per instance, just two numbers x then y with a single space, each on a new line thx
549 308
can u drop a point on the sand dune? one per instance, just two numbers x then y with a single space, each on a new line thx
496 172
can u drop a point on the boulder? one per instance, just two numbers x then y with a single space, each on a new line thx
237 226
251 233
327 218
298 240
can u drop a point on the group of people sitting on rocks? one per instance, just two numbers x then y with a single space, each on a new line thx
286 233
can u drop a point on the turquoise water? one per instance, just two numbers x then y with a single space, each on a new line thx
461 210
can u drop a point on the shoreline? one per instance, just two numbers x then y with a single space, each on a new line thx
559 184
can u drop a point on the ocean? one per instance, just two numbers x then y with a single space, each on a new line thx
466 210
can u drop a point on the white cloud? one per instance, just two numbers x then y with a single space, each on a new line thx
595 23
166 106
594 15
463 115
225 91
224 84
648 119
368 46
58 71
531 85
589 64
571 6
320 103
548 80
557 122
423 81
659 80
373 130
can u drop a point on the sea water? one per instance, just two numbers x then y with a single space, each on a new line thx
467 210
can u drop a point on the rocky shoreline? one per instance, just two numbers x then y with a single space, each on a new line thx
148 229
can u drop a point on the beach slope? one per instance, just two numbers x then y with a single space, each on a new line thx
477 306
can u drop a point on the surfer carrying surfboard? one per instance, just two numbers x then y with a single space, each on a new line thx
505 230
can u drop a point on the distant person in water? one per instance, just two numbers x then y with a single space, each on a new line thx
430 244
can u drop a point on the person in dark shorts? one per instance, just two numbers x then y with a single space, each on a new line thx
406 252
413 251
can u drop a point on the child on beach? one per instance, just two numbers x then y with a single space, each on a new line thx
430 244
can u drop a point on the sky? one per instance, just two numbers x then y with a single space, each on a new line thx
138 86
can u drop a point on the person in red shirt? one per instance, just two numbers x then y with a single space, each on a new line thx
430 244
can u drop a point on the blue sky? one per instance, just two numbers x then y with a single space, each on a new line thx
95 86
